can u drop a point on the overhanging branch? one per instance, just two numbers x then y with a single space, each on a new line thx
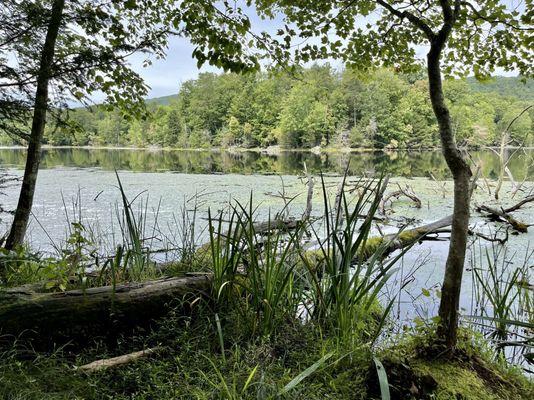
418 22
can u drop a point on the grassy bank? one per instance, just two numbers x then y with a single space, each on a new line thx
298 362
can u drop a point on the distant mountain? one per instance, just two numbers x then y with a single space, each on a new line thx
505 86
163 101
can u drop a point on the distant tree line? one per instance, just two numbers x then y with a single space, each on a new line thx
315 106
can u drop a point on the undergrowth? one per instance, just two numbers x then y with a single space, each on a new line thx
192 366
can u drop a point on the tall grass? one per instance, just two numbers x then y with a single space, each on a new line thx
225 251
338 283
347 283
270 261
254 264
137 265
503 301
497 290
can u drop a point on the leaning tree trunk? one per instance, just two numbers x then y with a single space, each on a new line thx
24 206
452 282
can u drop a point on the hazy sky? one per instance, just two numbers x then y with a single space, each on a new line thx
165 76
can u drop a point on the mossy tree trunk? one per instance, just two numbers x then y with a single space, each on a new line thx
80 315
461 172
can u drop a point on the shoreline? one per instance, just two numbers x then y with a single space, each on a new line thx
273 150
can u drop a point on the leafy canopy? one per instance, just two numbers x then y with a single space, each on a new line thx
95 41
486 34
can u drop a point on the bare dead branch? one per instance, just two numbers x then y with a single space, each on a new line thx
99 365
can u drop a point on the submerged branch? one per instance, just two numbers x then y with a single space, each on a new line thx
503 214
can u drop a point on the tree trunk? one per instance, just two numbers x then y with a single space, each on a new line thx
79 315
24 206
452 282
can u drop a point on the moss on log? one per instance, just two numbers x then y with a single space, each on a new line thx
397 241
79 314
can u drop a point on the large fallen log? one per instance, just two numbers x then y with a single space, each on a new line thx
400 240
81 314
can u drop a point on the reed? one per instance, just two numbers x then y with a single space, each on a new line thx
137 264
503 301
270 261
347 282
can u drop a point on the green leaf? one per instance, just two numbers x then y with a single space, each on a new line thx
306 373
382 379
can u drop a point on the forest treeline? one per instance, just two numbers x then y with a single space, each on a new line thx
317 106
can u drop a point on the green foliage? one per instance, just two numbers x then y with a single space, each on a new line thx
322 107
511 87
481 35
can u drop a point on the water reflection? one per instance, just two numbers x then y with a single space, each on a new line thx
405 163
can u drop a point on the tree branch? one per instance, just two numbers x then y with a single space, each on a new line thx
493 21
418 22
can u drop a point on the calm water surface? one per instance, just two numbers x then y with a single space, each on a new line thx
407 164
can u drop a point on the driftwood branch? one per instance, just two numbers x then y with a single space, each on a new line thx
494 238
401 192
500 215
503 214
309 198
105 363
505 141
517 206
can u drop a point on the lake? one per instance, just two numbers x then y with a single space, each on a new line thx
82 181
402 163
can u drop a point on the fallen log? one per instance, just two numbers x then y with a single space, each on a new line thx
503 214
400 240
81 314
